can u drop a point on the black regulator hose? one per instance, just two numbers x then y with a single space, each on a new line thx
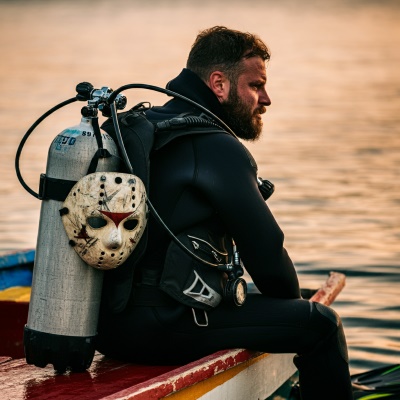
111 102
149 204
168 92
121 145
25 138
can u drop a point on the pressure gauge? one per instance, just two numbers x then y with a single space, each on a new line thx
236 291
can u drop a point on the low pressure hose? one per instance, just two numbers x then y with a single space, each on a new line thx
25 138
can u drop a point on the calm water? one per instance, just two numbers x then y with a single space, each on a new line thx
332 135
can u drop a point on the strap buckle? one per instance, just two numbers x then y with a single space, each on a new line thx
205 318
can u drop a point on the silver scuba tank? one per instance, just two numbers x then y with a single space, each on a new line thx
65 298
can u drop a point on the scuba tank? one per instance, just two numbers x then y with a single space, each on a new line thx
65 298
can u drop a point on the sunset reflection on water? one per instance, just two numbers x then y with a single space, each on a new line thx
331 139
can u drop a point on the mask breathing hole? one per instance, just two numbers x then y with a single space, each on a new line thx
118 180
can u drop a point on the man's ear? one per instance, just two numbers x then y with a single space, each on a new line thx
219 84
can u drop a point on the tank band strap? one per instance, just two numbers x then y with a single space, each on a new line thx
100 153
54 189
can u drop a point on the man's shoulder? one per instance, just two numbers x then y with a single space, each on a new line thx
186 127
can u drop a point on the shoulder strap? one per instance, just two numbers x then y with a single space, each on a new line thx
138 137
183 125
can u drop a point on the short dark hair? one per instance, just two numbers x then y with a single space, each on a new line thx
220 48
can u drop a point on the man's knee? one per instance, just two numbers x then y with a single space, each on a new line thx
323 311
330 327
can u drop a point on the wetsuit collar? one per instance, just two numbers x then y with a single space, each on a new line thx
188 84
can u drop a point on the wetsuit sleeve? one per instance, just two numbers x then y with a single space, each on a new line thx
224 174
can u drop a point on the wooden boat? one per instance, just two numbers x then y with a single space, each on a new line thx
228 374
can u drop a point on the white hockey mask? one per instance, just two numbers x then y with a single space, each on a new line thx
104 216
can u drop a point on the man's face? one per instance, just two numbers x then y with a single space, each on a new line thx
247 100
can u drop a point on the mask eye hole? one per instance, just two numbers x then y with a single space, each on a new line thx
130 224
96 222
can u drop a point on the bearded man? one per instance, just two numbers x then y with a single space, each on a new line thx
178 308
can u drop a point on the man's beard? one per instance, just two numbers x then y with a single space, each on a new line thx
246 124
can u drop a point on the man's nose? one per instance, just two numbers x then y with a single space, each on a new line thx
264 98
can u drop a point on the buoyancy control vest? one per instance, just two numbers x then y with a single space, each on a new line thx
200 267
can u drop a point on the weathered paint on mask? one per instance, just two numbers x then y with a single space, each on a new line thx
104 216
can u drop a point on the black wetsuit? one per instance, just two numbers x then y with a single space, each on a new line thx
210 177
